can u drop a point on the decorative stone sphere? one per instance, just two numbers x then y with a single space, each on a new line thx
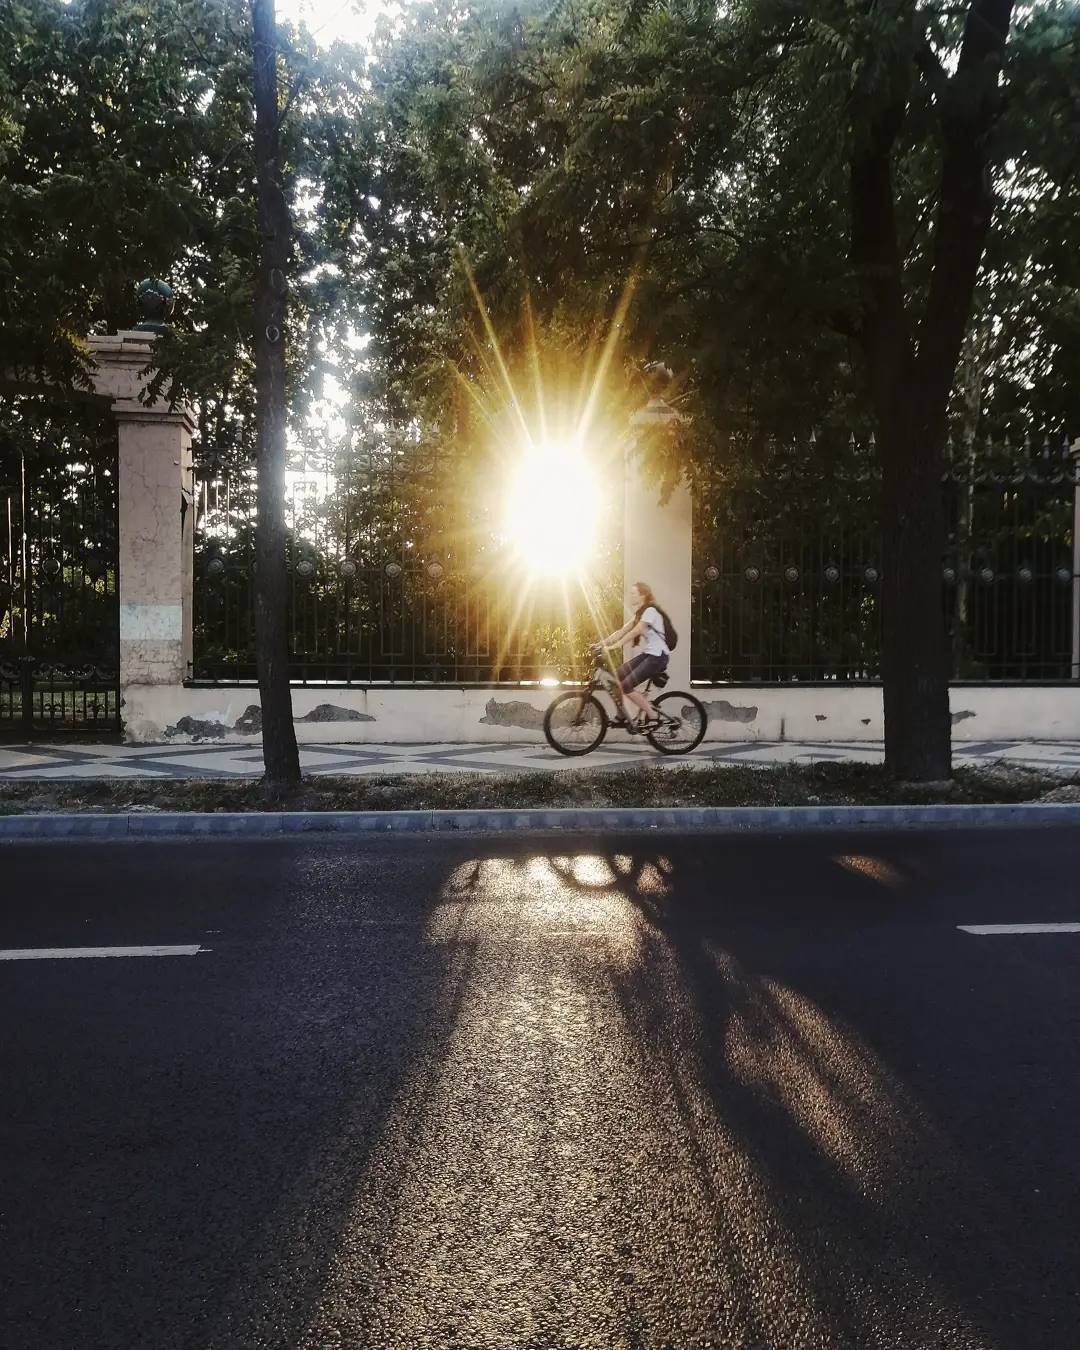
156 300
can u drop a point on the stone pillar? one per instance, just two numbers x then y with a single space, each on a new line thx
657 541
155 491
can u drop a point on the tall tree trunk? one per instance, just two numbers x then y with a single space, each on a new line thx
910 371
914 646
280 757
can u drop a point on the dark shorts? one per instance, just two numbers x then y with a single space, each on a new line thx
639 669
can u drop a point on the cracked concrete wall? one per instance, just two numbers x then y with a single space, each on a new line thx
512 712
722 711
156 712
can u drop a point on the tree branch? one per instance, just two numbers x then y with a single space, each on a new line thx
968 108
884 332
935 74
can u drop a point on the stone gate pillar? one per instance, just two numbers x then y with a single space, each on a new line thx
657 540
156 517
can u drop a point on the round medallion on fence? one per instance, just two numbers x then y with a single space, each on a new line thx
215 567
1024 574
305 568
752 574
51 567
791 574
832 574
1064 575
435 570
348 569
393 570
986 575
712 573
871 574
948 575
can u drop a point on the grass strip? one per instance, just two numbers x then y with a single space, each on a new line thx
827 784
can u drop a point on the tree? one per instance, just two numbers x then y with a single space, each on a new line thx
280 756
801 195
910 352
127 149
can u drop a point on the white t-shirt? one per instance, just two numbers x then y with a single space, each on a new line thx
652 640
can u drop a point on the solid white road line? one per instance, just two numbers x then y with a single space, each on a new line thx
77 953
990 929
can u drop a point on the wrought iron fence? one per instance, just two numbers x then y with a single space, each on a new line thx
787 564
59 602
397 573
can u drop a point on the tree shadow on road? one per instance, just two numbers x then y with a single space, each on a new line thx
501 1092
859 1217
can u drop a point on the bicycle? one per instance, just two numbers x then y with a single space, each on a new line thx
576 722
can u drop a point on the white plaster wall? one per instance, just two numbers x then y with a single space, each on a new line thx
656 550
155 713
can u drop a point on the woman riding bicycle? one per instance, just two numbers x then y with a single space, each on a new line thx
647 631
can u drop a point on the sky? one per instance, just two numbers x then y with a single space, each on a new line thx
333 20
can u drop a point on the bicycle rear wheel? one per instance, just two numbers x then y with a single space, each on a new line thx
684 724
574 724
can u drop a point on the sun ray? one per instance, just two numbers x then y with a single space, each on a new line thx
534 357
607 351
496 349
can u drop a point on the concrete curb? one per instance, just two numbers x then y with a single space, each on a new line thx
716 819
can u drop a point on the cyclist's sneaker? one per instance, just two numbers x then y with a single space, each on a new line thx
617 722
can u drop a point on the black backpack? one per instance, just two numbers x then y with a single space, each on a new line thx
670 635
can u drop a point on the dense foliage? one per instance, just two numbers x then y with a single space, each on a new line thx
825 215
673 168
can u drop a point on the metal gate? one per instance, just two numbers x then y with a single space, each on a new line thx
59 591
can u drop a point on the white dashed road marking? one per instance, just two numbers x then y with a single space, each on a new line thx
77 953
992 929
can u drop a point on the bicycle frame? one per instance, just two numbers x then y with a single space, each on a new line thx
597 684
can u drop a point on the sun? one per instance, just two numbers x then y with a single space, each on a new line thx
552 510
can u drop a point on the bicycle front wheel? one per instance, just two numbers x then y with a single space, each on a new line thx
683 725
574 724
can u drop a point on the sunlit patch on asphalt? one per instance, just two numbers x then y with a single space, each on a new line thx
577 1126
874 869
566 895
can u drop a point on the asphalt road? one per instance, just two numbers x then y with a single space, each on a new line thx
482 1092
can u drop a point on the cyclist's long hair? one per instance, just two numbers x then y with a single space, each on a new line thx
649 599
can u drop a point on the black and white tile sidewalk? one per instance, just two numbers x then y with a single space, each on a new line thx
75 761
